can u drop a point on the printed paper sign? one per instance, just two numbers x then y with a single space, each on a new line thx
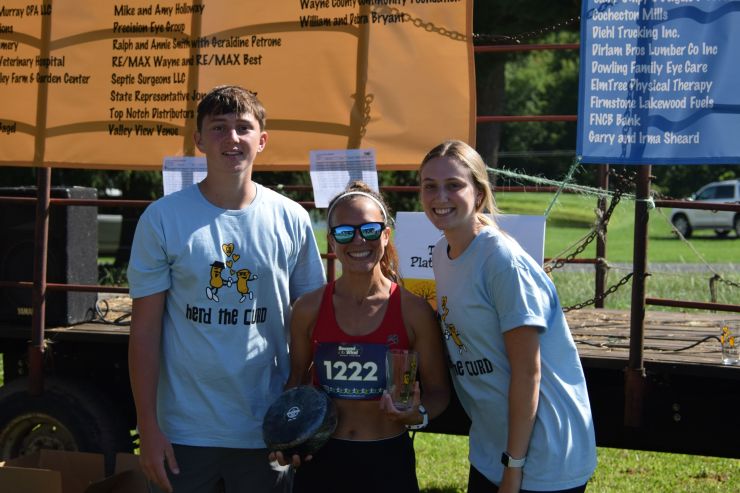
181 172
332 171
416 236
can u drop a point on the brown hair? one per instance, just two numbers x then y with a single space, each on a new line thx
222 100
469 157
389 261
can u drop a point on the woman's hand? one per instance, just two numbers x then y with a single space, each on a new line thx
408 416
512 480
295 461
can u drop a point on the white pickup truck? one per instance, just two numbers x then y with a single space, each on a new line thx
687 221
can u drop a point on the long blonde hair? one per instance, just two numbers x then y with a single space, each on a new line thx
469 157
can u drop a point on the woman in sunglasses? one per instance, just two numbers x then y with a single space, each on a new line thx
339 337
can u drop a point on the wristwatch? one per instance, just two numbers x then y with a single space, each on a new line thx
424 420
509 461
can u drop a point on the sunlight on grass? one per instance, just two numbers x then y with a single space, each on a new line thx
442 467
576 287
639 471
573 216
441 462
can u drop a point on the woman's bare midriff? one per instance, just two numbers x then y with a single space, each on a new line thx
364 420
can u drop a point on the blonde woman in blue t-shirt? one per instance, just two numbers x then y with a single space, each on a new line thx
514 363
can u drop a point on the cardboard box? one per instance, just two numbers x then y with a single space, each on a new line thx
55 471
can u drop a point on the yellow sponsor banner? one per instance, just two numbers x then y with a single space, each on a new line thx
425 288
115 85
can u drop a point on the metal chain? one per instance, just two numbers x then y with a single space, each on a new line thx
420 23
726 281
518 38
562 261
606 293
600 228
713 285
623 181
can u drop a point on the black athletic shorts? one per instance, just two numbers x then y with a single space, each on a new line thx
387 466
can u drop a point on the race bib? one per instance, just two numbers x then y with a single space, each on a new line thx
351 371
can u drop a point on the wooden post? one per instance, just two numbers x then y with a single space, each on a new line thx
38 318
635 374
601 269
41 232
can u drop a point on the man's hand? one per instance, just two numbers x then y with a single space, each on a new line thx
156 449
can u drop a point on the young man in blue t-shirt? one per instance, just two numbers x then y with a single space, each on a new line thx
214 269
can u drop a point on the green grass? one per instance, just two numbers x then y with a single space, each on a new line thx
442 467
576 287
573 216
638 471
441 462
110 274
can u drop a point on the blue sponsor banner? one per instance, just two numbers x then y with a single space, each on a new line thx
659 82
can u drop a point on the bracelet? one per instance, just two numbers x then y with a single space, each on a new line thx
509 461
424 420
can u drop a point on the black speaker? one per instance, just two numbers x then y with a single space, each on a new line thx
72 256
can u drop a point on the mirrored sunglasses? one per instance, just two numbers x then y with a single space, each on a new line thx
344 233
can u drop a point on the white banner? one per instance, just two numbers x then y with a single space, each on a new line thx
416 236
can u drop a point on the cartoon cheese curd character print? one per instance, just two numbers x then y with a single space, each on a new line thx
450 331
216 281
243 276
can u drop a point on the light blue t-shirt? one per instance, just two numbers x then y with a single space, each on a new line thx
230 277
495 286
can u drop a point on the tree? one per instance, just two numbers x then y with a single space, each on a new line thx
542 83
680 181
526 21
